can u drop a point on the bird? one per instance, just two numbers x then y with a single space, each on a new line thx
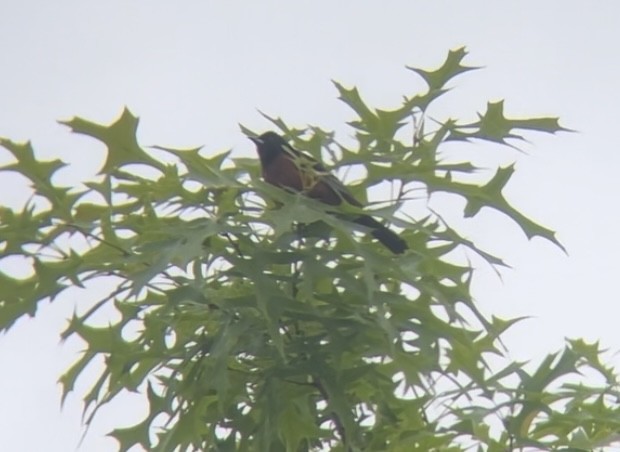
286 167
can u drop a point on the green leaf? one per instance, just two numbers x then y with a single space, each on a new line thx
120 140
551 369
494 126
40 173
68 379
450 68
205 170
17 298
352 97
490 195
139 434
20 228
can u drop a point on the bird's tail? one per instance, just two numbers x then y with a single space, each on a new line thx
387 237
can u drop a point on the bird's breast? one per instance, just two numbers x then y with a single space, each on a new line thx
285 173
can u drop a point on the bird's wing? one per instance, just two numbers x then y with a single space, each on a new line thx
313 172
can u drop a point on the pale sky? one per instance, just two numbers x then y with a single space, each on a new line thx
192 71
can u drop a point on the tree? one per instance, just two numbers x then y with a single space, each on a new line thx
254 319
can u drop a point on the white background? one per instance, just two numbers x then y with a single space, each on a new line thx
194 70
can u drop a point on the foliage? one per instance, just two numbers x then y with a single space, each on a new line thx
246 332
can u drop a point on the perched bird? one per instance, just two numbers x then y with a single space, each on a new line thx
289 168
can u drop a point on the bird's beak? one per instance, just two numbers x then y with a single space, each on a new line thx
256 140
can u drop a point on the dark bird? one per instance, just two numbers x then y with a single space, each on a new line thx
286 167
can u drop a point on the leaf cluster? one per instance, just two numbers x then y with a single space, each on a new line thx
254 319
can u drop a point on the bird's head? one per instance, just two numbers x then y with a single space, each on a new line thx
269 145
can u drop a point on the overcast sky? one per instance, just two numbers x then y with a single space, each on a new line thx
194 70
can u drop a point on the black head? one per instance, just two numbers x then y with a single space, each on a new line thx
269 145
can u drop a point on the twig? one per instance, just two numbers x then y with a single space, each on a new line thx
334 416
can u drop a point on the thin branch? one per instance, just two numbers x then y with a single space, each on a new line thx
334 416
